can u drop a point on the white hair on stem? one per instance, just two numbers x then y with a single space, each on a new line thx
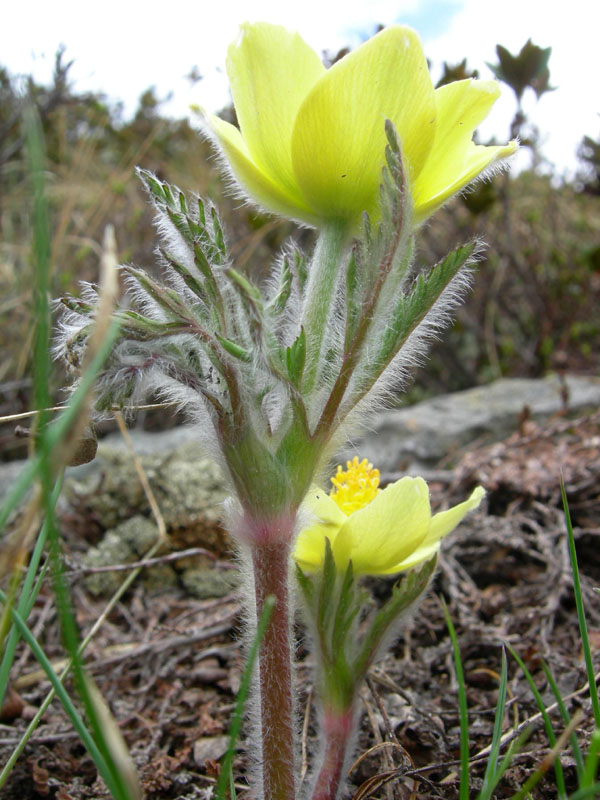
235 523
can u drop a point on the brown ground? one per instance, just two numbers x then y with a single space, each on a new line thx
170 665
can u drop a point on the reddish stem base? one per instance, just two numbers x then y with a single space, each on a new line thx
338 727
270 559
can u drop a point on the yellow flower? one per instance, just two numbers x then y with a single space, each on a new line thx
311 140
382 532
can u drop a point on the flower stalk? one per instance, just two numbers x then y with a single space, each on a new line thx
338 731
323 280
270 563
344 656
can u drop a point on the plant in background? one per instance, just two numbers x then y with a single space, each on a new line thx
528 69
276 376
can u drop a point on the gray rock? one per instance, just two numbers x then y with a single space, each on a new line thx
148 443
209 748
10 472
416 438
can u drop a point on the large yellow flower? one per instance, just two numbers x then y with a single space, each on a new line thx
311 140
382 531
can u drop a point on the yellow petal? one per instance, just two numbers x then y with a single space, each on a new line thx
446 521
440 526
339 140
270 72
454 161
478 160
256 183
422 553
309 550
386 531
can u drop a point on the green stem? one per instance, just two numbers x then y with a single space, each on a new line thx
320 293
367 319
271 543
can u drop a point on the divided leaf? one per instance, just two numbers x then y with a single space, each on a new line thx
195 228
235 350
279 300
411 308
191 281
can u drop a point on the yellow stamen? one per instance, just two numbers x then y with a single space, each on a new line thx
356 486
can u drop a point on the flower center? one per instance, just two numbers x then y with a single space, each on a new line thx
356 486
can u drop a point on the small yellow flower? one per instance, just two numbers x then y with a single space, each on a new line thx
382 532
311 140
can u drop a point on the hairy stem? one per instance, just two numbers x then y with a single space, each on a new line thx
338 727
323 278
367 319
270 561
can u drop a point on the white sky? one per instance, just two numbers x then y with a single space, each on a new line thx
122 48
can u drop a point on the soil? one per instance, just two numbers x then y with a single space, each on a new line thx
169 665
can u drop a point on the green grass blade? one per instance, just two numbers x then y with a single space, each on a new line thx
530 783
585 642
120 790
102 752
95 742
19 489
34 142
29 592
558 771
566 719
462 706
38 716
588 791
64 698
492 764
513 748
590 771
225 776
118 782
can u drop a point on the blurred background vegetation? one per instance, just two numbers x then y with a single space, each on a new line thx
534 306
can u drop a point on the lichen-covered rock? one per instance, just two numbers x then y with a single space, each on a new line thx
189 488
128 542
205 583
190 491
